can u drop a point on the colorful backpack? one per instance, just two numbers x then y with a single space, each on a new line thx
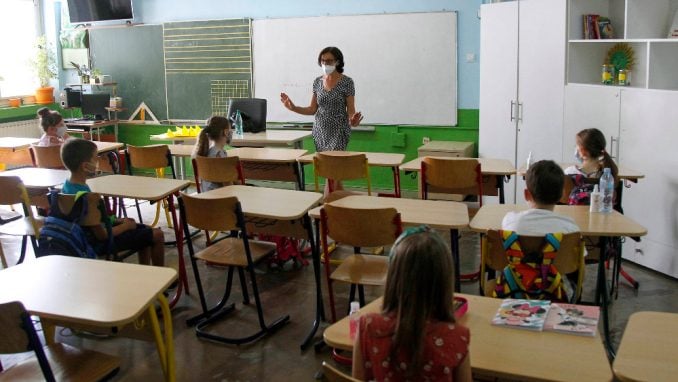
530 275
62 234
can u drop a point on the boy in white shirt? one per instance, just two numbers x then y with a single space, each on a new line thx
544 181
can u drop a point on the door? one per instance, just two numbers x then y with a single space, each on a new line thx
541 81
498 82
589 106
649 132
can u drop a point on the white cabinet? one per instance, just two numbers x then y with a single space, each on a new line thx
522 78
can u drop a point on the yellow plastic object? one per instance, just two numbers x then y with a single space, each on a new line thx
193 132
184 131
170 133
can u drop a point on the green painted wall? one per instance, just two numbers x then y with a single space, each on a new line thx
385 138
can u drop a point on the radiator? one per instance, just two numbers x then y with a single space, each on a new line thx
29 128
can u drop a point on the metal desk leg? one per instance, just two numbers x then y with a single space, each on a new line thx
601 294
319 310
500 183
454 241
179 236
164 345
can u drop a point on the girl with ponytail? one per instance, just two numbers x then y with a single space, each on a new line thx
592 158
54 128
211 142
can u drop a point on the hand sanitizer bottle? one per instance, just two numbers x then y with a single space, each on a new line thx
354 318
529 161
596 200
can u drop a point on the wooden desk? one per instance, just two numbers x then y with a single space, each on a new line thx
153 190
647 351
81 127
92 292
282 138
392 160
15 144
507 353
280 212
435 213
624 173
39 179
605 226
489 166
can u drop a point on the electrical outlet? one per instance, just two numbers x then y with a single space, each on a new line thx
425 140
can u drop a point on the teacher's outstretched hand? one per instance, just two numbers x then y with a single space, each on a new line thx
332 103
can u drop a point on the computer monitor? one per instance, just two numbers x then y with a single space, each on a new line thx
254 108
95 105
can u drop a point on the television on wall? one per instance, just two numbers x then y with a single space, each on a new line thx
87 11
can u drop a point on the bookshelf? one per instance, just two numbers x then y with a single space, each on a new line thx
643 24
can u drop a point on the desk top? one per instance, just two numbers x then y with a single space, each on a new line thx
103 147
40 178
271 203
624 172
14 144
591 224
84 291
91 124
511 353
435 213
249 154
136 187
647 351
488 166
373 159
274 137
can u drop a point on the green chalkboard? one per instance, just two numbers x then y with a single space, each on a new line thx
133 56
206 63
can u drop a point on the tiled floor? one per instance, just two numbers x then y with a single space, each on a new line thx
290 291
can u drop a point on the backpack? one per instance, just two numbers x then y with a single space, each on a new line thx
62 234
530 275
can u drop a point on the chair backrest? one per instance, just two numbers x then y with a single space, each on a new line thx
361 227
149 157
16 158
331 374
14 192
217 170
18 335
47 156
568 185
340 166
211 214
451 175
255 108
570 257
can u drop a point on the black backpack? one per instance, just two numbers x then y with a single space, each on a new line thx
62 233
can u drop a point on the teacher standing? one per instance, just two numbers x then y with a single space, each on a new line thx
333 103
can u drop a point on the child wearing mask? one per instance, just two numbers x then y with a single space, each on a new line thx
54 128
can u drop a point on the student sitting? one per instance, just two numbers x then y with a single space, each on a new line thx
415 337
591 160
211 142
544 181
80 158
54 128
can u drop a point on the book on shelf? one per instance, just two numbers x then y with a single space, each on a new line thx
605 29
573 319
522 314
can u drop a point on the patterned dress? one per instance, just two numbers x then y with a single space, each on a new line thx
331 129
445 347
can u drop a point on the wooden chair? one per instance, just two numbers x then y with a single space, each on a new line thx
332 374
19 158
156 157
47 156
339 166
14 192
225 171
358 228
57 362
570 258
225 214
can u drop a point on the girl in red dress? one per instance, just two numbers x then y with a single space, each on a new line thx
415 336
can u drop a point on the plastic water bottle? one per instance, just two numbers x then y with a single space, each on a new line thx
607 190
238 125
354 319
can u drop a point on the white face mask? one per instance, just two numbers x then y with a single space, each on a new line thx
328 69
61 131
578 156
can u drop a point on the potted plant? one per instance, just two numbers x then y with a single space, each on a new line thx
96 74
44 64
83 72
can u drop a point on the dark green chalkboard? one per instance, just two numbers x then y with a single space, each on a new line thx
206 62
133 56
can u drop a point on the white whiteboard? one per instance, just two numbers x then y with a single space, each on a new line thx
404 65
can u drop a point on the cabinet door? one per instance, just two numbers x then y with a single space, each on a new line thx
498 82
589 106
649 132
541 80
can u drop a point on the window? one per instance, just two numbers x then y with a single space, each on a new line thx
18 31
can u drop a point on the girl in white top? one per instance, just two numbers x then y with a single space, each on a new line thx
54 128
211 142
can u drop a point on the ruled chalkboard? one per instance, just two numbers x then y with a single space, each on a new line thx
133 56
206 63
